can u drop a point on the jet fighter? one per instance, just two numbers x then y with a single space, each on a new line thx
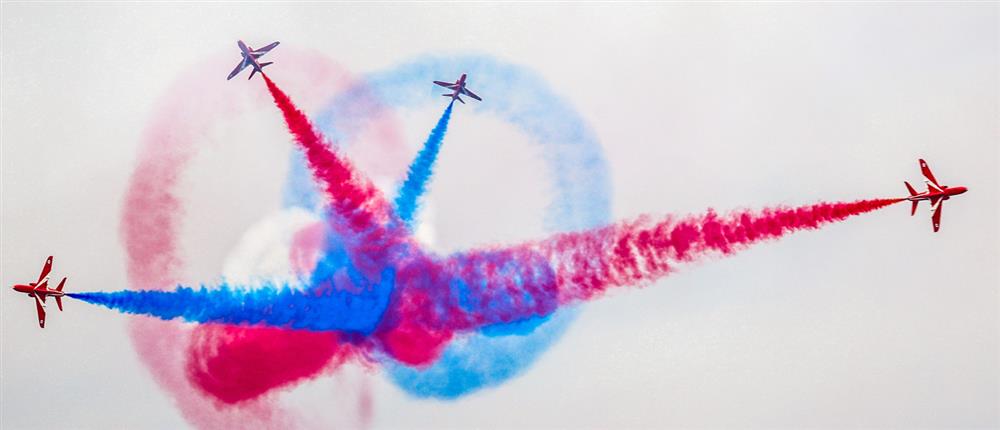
40 290
250 57
458 89
935 193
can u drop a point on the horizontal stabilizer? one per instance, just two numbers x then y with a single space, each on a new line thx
910 188
59 289
913 209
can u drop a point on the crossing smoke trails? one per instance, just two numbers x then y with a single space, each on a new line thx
399 299
197 366
577 187
361 215
475 289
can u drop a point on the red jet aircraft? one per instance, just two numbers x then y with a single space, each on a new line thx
458 89
935 193
40 289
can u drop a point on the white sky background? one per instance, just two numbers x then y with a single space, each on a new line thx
874 322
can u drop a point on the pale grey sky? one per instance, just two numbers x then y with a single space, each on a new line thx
874 322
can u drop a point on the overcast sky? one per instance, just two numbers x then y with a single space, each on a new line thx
874 322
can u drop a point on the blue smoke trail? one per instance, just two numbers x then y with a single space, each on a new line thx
488 357
579 181
345 310
420 170
300 191
485 289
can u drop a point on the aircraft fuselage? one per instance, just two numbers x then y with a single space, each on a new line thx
247 56
945 193
41 291
459 86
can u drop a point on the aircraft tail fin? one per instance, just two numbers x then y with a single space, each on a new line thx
910 188
59 303
61 284
266 64
913 209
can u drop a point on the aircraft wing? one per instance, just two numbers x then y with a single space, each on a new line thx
926 170
264 50
936 215
470 94
41 313
239 68
45 270
446 84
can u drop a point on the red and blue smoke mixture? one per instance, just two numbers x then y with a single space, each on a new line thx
376 294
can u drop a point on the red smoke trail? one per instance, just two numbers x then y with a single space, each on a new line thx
193 364
365 216
150 220
478 288
588 263
235 353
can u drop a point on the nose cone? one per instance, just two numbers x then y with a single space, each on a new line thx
960 190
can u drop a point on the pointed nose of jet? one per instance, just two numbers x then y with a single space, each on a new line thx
960 190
